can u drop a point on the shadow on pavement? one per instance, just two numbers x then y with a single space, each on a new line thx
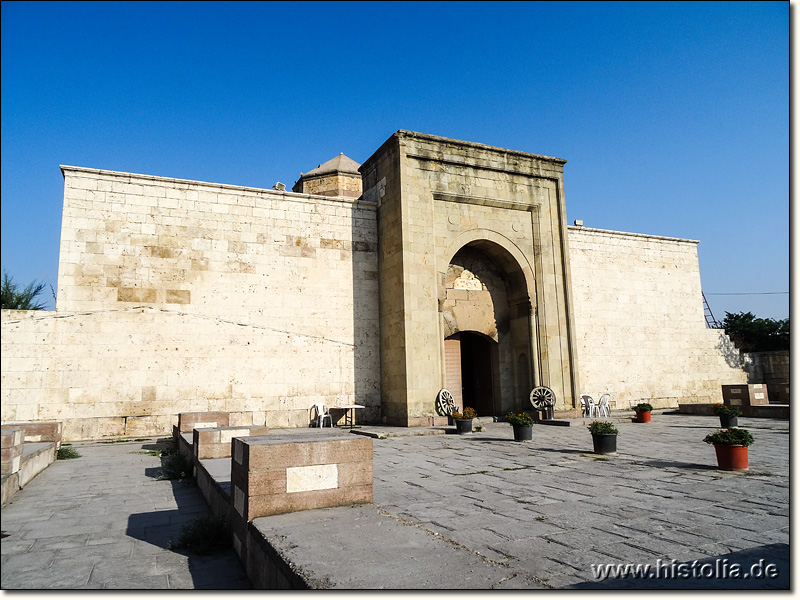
567 450
675 464
162 528
761 568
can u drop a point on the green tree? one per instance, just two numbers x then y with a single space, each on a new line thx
21 299
751 334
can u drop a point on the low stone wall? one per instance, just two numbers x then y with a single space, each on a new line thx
36 457
215 486
265 568
271 475
23 460
215 442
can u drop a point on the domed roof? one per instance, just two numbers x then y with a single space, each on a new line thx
338 164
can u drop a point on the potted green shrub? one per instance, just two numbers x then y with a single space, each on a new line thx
604 437
728 415
642 411
463 419
523 426
730 446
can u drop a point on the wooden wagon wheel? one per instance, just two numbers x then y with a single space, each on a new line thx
445 405
542 397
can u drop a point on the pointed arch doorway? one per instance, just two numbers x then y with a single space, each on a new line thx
485 308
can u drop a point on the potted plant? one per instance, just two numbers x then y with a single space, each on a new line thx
464 419
728 415
604 437
642 411
731 448
523 426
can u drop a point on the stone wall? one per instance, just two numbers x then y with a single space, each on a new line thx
640 324
771 368
179 296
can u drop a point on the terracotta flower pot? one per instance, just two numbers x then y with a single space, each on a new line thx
731 457
643 417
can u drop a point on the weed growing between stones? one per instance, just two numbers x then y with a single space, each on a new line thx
148 452
67 452
204 535
174 465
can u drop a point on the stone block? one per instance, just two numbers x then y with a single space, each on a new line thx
271 475
745 395
41 431
11 451
187 421
215 442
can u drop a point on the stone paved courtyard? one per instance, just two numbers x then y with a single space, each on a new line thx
550 508
476 511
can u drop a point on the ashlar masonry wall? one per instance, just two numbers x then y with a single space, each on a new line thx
639 321
177 296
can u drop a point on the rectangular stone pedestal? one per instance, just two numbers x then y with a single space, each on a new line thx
275 475
215 442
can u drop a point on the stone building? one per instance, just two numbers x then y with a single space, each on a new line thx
453 266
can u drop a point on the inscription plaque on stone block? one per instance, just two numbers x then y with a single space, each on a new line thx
314 477
275 475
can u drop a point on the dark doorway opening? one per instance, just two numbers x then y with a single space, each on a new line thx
477 387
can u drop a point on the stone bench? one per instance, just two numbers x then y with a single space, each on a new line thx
215 442
23 460
273 475
41 431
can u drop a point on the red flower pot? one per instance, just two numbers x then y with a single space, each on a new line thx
731 457
643 417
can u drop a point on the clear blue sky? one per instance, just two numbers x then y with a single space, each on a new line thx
673 117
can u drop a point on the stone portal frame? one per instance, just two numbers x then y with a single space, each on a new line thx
432 190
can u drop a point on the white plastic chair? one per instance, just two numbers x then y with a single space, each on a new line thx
322 414
588 405
602 405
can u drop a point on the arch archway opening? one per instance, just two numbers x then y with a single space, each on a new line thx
485 305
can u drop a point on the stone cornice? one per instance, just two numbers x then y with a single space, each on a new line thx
629 234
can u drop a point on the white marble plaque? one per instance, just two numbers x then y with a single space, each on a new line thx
313 477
